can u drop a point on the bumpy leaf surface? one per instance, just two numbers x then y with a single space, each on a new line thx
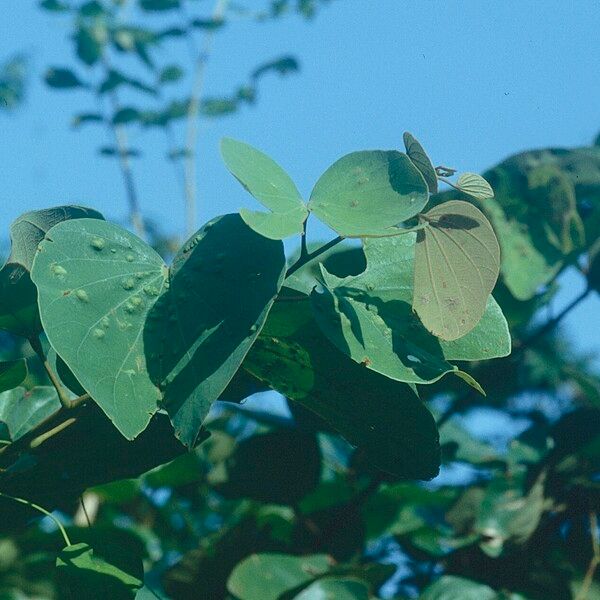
369 193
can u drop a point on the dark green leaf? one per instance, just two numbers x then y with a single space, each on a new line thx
113 151
12 373
381 416
126 115
159 5
114 79
268 576
89 42
457 261
54 5
21 410
369 193
82 570
62 78
270 185
210 24
93 8
593 273
216 107
419 157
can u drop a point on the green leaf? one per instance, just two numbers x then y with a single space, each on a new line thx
210 24
21 410
593 272
84 571
12 373
62 78
96 283
126 115
419 157
18 296
159 5
114 151
216 107
369 318
369 193
171 74
329 588
54 6
382 417
282 66
13 79
89 42
270 185
222 285
451 587
268 576
457 261
115 79
93 8
135 333
475 185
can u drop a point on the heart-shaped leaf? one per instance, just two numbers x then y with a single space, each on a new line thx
136 334
21 410
419 157
12 373
382 417
457 261
369 317
475 185
271 186
369 193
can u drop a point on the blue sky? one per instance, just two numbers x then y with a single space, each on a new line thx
474 80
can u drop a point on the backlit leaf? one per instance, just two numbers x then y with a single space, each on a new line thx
475 185
457 261
369 193
270 185
419 157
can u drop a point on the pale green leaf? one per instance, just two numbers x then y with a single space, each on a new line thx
270 185
268 576
457 261
475 185
329 588
451 587
369 193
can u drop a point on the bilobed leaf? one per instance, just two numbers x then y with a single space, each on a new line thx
369 317
382 417
83 570
21 410
270 185
268 576
62 78
12 373
340 589
457 261
135 333
419 157
369 193
475 185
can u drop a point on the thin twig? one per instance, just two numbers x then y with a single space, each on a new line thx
312 255
192 119
595 560
40 439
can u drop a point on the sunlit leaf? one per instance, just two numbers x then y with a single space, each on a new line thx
369 193
340 589
475 185
270 185
457 261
